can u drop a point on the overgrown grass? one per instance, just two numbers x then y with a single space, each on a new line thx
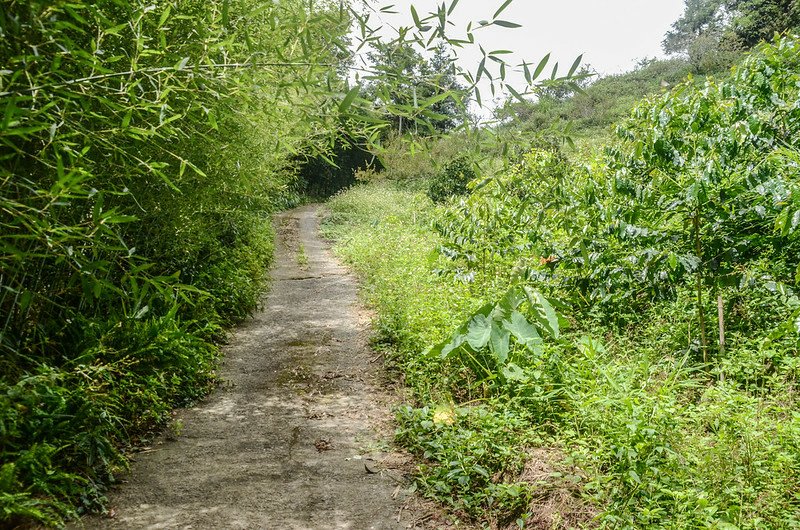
382 231
613 427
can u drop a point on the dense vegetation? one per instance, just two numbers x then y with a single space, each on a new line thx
594 338
709 38
610 341
143 148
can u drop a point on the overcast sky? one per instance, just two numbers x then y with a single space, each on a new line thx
611 34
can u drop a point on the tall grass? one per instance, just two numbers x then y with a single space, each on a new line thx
669 398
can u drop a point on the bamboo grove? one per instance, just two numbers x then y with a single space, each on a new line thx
143 146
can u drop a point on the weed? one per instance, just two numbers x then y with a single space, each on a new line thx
620 412
302 257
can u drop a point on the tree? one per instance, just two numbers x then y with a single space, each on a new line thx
404 78
758 20
700 18
711 31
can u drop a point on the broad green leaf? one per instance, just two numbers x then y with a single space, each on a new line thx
454 344
523 331
478 332
498 342
459 336
543 312
513 297
512 372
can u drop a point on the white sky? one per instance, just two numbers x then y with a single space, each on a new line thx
611 34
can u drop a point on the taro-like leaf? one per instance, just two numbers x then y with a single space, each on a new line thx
523 331
498 342
543 312
479 331
512 372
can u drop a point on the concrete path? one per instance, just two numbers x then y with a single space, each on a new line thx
285 442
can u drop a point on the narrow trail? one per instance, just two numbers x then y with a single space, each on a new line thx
285 442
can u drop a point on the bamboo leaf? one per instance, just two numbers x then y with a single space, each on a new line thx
506 24
452 7
164 15
575 65
225 13
502 8
516 94
540 67
415 16
349 98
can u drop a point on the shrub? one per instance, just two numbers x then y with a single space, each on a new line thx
452 179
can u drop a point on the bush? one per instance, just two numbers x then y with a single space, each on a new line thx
452 179
140 169
692 214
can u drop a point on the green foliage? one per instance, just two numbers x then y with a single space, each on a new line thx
321 178
144 148
452 179
76 417
483 345
414 160
142 155
465 449
730 24
415 81
712 34
670 396
603 102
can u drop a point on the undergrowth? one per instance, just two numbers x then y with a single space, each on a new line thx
611 342
140 163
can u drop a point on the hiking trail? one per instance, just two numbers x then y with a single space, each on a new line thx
298 434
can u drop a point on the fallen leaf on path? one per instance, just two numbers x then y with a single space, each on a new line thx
323 445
